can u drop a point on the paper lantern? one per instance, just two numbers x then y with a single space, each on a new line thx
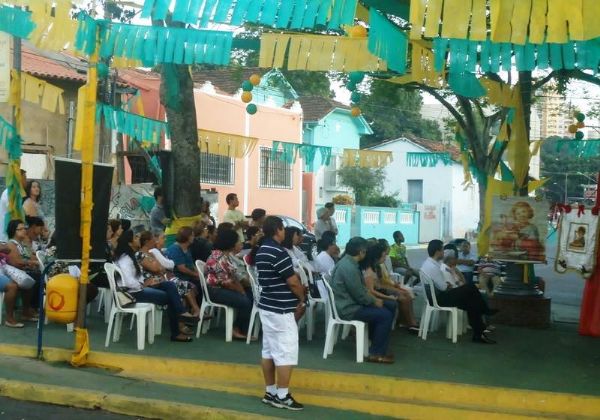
247 86
572 129
357 31
355 97
579 135
580 124
355 111
356 77
580 117
246 97
254 79
251 109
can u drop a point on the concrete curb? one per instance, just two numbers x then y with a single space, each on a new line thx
119 404
340 390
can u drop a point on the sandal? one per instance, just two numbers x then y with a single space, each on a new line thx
380 359
182 339
14 324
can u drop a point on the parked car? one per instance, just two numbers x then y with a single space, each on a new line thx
309 243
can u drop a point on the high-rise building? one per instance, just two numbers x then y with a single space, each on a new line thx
554 115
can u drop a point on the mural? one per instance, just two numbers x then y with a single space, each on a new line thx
519 228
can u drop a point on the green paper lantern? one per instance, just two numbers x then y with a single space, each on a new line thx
247 86
102 70
580 117
251 109
579 135
351 85
357 76
355 97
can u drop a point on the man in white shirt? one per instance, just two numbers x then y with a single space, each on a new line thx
465 297
4 208
234 216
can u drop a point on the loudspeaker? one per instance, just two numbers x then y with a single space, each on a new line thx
68 208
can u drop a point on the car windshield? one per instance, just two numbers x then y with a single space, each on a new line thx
293 223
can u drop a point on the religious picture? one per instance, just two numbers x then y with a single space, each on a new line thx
577 232
518 231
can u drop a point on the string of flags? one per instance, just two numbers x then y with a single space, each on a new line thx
143 129
290 151
427 159
366 158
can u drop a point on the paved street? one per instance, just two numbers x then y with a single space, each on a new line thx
23 410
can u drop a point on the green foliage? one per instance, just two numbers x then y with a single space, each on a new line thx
393 111
367 184
309 83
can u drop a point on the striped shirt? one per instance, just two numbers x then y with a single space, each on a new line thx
274 267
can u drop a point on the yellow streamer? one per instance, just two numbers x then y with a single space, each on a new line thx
557 20
416 16
15 98
223 144
537 21
520 21
317 53
478 21
366 158
434 15
456 14
55 29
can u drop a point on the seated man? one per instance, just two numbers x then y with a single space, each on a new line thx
449 269
466 297
353 301
400 262
466 260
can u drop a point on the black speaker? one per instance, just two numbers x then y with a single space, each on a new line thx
68 208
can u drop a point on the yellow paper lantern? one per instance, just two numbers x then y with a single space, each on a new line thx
357 31
573 129
255 79
580 124
355 111
246 97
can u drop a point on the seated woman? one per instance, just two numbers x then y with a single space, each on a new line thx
224 282
253 236
180 254
328 254
10 288
114 229
21 257
150 290
353 301
291 242
154 264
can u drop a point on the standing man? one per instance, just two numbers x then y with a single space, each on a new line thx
4 208
234 216
465 297
281 304
399 260
332 224
158 216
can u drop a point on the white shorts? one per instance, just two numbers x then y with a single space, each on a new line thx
280 338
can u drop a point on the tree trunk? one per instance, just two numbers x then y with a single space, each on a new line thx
526 94
177 95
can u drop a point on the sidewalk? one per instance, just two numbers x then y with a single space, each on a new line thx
431 375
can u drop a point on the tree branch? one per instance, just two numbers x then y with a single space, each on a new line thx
544 80
580 75
452 109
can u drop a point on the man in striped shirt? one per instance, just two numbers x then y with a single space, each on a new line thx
281 303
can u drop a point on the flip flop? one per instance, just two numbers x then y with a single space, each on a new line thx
14 325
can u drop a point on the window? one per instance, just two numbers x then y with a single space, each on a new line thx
140 170
415 190
217 169
274 173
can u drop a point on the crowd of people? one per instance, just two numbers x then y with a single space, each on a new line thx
371 281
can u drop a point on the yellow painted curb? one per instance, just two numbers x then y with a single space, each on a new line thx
360 390
132 406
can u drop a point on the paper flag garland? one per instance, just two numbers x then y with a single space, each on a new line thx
290 151
387 42
15 21
366 158
10 139
42 93
427 159
293 14
317 53
223 144
55 29
139 128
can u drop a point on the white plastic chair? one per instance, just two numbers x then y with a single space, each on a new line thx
254 324
141 311
207 303
362 338
312 302
432 308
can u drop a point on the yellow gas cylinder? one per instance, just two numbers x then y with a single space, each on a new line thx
61 298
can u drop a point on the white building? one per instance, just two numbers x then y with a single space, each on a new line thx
447 208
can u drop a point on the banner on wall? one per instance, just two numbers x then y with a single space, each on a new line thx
518 230
4 67
577 243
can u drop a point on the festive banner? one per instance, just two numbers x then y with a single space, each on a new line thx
54 28
317 53
427 159
154 45
223 144
387 41
290 151
10 139
366 158
423 67
293 14
40 92
518 229
137 127
536 21
16 22
577 242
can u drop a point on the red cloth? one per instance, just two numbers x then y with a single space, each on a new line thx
589 320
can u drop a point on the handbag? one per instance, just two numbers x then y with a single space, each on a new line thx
125 298
23 280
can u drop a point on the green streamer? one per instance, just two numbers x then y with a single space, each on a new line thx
288 152
387 41
10 139
16 22
427 159
139 128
